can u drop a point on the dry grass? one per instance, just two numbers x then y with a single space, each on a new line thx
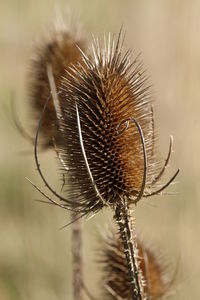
34 255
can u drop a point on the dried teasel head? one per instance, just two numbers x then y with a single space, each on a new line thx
52 58
104 137
106 131
115 274
105 159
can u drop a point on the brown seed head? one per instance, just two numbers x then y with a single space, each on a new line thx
116 280
99 141
59 52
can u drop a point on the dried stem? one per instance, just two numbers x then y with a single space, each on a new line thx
77 257
122 218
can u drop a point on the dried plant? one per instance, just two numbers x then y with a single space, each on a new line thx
106 139
97 113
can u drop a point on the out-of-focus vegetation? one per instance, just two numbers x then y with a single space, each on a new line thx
35 258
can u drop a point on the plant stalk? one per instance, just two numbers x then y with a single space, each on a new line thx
77 260
122 218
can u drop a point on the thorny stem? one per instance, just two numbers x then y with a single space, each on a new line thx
122 219
77 257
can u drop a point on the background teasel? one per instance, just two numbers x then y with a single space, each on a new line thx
153 273
52 57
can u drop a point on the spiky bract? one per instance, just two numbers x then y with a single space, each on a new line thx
106 90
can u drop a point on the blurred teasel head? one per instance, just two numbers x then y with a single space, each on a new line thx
52 57
152 271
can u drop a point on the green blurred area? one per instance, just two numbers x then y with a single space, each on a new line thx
35 256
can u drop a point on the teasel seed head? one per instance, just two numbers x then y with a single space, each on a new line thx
106 133
100 121
53 56
116 284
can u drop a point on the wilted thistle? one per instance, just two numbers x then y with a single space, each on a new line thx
152 272
104 137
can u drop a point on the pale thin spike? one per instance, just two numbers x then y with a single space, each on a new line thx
95 55
112 292
46 196
53 89
74 220
104 51
164 186
60 157
166 162
109 48
112 50
98 49
85 57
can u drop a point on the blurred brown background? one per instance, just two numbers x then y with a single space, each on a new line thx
35 258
